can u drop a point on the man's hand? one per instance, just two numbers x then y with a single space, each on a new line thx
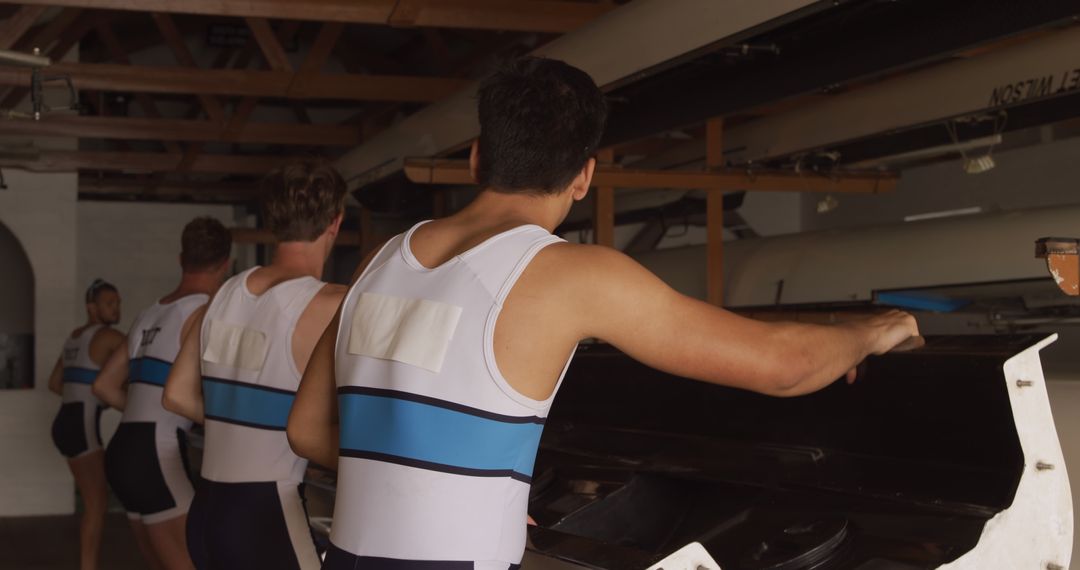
892 330
889 332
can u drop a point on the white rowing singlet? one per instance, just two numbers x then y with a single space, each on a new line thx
250 380
436 447
79 371
153 343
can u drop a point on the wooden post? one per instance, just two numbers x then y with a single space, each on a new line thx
604 205
714 214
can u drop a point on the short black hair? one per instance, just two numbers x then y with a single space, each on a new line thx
540 122
96 287
300 199
204 243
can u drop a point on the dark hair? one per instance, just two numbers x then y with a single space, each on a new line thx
300 199
204 243
540 122
96 287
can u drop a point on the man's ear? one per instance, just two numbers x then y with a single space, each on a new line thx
335 225
582 182
474 159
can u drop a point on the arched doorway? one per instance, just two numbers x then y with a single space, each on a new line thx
16 314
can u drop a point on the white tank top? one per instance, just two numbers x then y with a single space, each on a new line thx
436 447
153 343
79 371
250 380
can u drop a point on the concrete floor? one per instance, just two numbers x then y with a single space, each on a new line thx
51 543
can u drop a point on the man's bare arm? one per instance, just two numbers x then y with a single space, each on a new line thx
103 344
621 302
313 428
109 386
56 377
313 420
183 388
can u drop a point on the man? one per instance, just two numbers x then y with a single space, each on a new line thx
450 346
76 431
144 462
237 373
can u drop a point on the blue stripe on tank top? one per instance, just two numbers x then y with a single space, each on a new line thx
408 429
78 375
246 404
148 370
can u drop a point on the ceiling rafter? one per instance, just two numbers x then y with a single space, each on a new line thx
179 130
119 54
68 38
175 40
145 162
13 28
126 188
552 16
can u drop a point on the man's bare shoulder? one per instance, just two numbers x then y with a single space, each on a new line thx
574 261
109 335
331 293
325 303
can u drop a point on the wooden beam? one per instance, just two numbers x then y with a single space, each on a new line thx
69 37
714 215
112 188
604 205
70 161
139 128
13 28
551 16
244 83
268 42
51 31
321 48
175 40
119 54
456 172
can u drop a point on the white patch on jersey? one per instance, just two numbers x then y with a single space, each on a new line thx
235 345
411 331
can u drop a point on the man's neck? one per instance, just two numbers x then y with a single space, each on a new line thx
195 283
546 211
300 258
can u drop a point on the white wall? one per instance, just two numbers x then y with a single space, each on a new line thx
136 246
40 211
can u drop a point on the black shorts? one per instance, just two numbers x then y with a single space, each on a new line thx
76 430
338 559
250 525
146 466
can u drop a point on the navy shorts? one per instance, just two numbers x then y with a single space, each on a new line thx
76 430
250 525
146 466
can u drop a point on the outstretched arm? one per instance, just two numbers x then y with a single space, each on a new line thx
110 383
621 302
183 389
